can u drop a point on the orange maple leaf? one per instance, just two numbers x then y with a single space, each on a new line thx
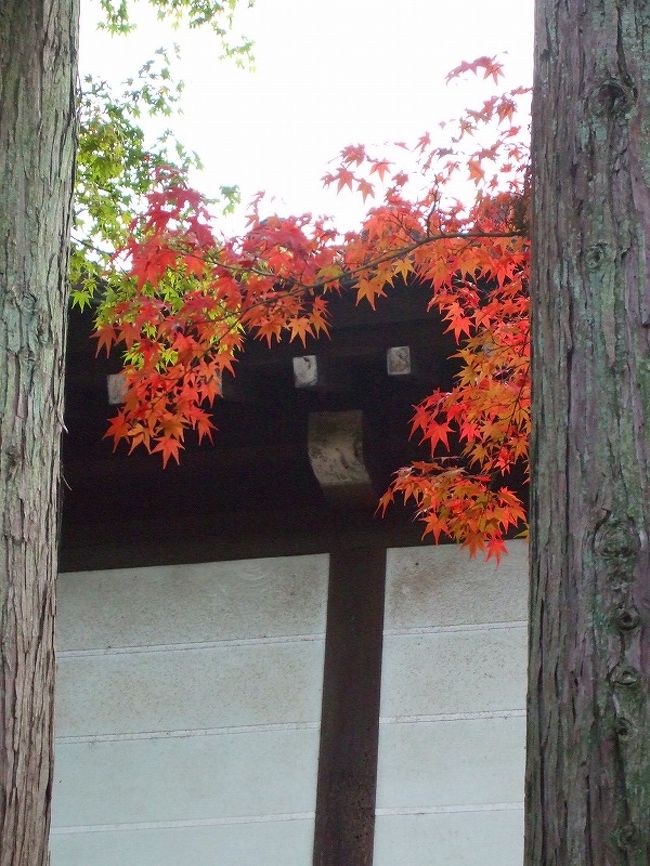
370 289
380 167
168 447
105 336
366 189
301 328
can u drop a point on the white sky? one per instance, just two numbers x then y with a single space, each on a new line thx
328 73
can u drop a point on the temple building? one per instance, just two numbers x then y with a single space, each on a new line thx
254 669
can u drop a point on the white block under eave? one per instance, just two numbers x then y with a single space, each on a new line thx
116 389
305 371
398 361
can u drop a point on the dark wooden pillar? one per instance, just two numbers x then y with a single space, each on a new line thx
347 773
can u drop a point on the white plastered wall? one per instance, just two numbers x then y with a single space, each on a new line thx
451 745
188 714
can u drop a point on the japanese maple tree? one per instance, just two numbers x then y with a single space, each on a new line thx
181 301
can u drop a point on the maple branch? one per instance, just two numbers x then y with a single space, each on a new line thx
348 274
90 246
397 219
407 250
434 207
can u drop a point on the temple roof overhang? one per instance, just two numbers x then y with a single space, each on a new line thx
273 482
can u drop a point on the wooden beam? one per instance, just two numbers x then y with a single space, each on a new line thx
347 770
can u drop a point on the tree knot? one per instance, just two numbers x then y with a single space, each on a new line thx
625 675
616 540
612 98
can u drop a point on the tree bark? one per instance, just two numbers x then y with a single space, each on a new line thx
588 765
38 56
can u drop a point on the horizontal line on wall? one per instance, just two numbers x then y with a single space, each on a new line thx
448 809
189 732
185 647
170 825
441 629
276 639
452 717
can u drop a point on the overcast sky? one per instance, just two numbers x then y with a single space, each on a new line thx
328 73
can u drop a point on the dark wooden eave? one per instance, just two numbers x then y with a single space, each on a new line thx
253 492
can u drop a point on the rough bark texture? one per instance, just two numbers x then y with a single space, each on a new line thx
38 50
588 773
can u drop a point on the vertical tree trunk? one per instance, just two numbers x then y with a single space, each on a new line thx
588 773
38 55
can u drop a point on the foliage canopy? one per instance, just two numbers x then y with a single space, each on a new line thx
180 300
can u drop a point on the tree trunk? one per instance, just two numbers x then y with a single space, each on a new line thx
588 772
38 55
